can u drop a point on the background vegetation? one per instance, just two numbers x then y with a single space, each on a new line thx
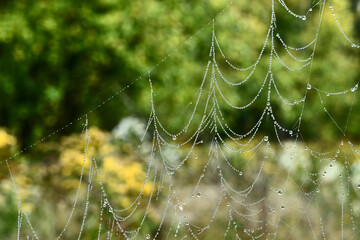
60 59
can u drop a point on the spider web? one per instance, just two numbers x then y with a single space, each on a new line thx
259 198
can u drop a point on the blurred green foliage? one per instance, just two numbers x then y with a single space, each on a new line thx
59 59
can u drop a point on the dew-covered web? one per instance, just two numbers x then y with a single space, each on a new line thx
261 198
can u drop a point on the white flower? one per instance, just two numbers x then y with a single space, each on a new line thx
128 128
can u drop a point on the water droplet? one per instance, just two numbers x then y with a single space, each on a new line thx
355 88
359 185
196 157
310 10
174 138
331 6
317 190
147 236
341 143
181 208
280 192
353 45
290 132
282 206
268 103
228 204
338 151
303 18
240 173
308 86
266 138
327 94
306 148
198 194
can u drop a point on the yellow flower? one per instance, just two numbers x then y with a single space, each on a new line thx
6 139
72 161
124 178
97 136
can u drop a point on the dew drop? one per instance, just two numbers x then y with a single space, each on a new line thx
310 10
308 86
303 18
174 138
290 132
196 157
359 185
198 194
266 138
147 236
328 94
282 206
331 6
280 192
355 88
306 148
240 173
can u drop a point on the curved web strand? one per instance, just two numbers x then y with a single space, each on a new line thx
253 68
237 165
340 28
303 17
